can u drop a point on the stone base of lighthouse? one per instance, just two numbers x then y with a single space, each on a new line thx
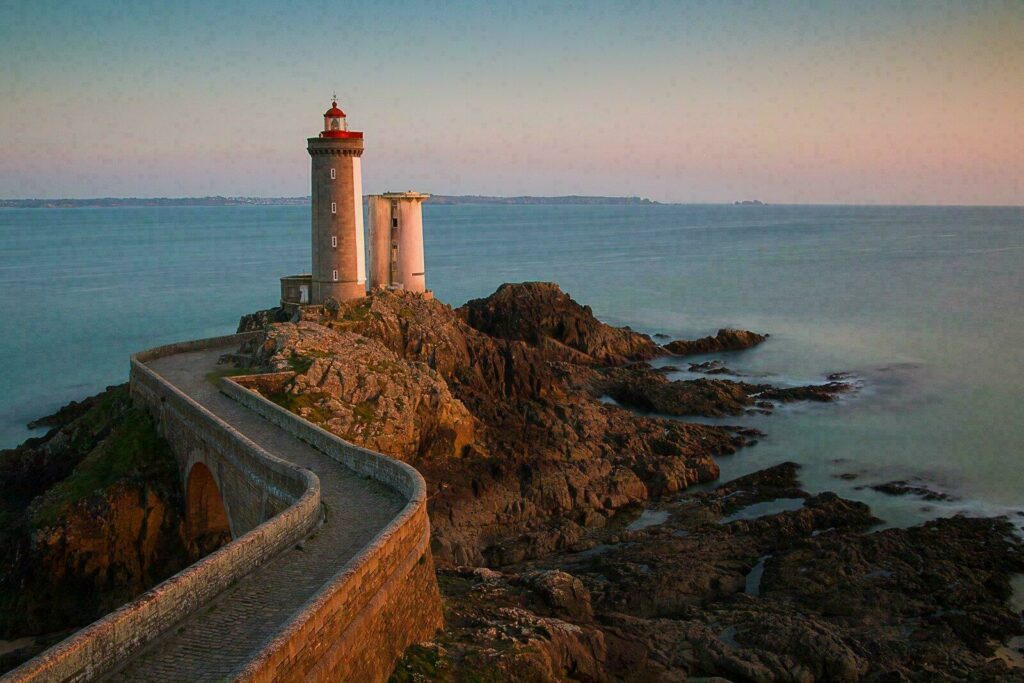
342 291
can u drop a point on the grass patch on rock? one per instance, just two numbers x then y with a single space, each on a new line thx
133 449
304 405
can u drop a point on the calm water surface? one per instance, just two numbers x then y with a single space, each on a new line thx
923 305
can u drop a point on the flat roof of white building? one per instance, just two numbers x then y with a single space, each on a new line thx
404 195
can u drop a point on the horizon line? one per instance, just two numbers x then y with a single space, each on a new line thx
642 200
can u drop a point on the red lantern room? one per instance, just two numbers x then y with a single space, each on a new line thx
335 125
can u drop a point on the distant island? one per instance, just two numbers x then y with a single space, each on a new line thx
750 202
297 201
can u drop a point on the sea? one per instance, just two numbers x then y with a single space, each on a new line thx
922 306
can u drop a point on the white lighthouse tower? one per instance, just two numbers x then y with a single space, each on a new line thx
339 261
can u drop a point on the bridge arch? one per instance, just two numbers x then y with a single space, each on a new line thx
206 520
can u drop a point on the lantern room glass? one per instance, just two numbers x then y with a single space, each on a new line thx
334 123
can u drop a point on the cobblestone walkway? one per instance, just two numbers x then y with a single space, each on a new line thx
223 635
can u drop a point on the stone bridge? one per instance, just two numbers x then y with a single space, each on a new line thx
328 575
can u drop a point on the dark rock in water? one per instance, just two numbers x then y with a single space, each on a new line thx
751 432
839 376
712 367
725 340
71 411
675 602
904 488
812 392
641 387
846 476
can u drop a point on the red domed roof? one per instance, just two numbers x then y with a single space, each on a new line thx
334 112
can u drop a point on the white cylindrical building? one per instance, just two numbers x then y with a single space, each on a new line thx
396 241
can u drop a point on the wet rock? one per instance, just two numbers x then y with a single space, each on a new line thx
641 387
813 392
904 488
712 367
725 340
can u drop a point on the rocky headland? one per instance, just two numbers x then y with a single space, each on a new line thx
572 540
498 404
569 545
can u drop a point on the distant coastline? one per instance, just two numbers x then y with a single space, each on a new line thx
111 202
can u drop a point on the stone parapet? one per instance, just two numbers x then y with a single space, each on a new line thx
352 628
103 645
383 600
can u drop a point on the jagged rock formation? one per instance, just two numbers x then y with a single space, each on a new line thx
363 391
92 516
803 594
542 315
532 474
496 403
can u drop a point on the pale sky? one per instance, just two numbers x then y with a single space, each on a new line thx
856 102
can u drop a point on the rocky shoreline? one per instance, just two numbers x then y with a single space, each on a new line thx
499 404
572 540
568 544
756 580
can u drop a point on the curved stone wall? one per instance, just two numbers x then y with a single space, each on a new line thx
383 600
354 628
101 646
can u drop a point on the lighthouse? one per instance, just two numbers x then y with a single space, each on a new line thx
339 259
339 246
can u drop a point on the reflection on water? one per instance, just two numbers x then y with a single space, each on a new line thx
648 518
768 507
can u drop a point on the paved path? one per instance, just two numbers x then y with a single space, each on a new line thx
223 635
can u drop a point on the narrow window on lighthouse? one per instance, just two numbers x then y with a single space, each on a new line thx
335 276
334 240
333 174
334 207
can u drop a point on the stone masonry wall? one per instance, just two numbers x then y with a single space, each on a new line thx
101 646
354 629
382 601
